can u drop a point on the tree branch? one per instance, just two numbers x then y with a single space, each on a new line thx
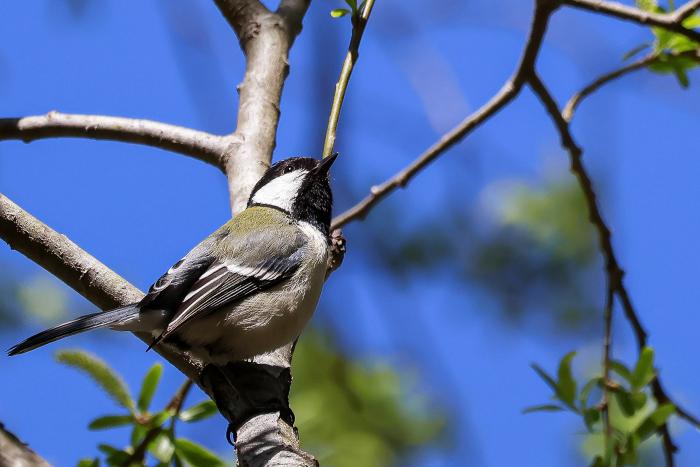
671 21
607 344
13 452
359 22
575 100
175 405
572 104
293 12
686 10
512 87
265 38
198 144
613 270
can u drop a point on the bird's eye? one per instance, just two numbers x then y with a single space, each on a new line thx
288 169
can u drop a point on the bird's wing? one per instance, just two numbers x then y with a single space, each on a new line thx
169 290
258 260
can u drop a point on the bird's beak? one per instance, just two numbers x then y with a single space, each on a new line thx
325 164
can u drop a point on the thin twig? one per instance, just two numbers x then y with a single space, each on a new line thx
613 270
607 341
175 405
511 88
198 144
576 99
359 22
670 21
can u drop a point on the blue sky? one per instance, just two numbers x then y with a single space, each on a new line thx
421 70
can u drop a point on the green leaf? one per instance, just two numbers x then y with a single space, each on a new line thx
654 421
89 462
110 421
148 387
692 22
644 370
352 4
161 417
196 455
621 369
591 417
204 409
100 372
598 462
339 12
114 456
545 377
639 400
628 455
647 5
625 402
162 447
543 408
137 434
586 391
682 77
566 386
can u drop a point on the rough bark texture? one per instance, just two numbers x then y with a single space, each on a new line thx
15 453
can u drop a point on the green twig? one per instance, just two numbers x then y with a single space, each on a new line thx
359 22
175 405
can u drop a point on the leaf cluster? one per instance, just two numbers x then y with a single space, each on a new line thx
672 49
351 414
634 418
354 10
152 432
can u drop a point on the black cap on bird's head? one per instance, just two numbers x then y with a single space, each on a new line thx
300 187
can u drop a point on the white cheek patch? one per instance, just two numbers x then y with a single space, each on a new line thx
281 191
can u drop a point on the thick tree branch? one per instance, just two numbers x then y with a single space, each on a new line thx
265 38
671 21
293 12
512 87
198 144
13 452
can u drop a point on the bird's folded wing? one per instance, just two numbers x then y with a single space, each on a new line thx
227 281
169 290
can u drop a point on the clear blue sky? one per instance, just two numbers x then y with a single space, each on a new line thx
422 69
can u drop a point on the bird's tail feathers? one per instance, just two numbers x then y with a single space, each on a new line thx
84 323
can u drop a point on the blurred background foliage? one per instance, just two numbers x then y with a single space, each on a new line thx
527 246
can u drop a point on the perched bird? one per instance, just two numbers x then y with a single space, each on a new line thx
249 287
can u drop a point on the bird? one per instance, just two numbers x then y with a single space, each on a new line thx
248 288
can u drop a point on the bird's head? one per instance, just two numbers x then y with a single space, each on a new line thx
300 187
